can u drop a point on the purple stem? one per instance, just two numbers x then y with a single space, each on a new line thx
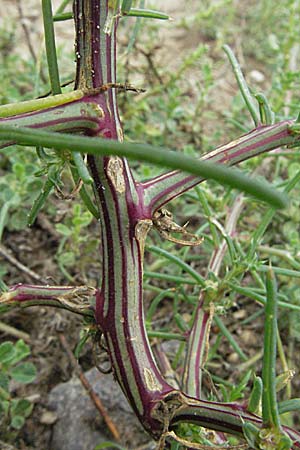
125 218
166 187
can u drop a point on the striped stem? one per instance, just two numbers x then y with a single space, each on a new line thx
125 221
82 115
168 186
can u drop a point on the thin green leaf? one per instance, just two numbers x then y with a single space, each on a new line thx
267 116
289 405
63 16
194 274
4 216
143 152
81 168
166 335
269 402
154 304
251 434
280 271
230 338
248 98
83 339
147 14
135 31
63 6
85 197
51 47
255 397
40 201
167 277
126 6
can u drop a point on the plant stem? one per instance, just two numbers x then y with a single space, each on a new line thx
269 403
170 185
50 47
164 190
75 299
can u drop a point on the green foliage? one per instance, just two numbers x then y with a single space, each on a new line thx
109 445
233 393
19 187
74 247
14 411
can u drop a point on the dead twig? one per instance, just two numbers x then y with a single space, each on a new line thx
26 31
6 253
8 329
94 397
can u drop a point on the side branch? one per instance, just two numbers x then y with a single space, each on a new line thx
224 417
80 115
166 187
78 300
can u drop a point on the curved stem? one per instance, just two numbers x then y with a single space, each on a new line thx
102 147
170 185
220 417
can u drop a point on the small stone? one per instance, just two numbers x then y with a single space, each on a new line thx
257 76
233 358
80 426
248 337
48 418
240 314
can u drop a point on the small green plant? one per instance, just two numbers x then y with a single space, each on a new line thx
14 410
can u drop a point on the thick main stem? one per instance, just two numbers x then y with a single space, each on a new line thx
124 226
125 221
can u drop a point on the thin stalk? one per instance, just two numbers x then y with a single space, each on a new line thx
63 16
194 274
84 194
248 98
269 402
51 47
38 104
199 334
101 147
62 6
282 254
266 220
167 277
224 330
